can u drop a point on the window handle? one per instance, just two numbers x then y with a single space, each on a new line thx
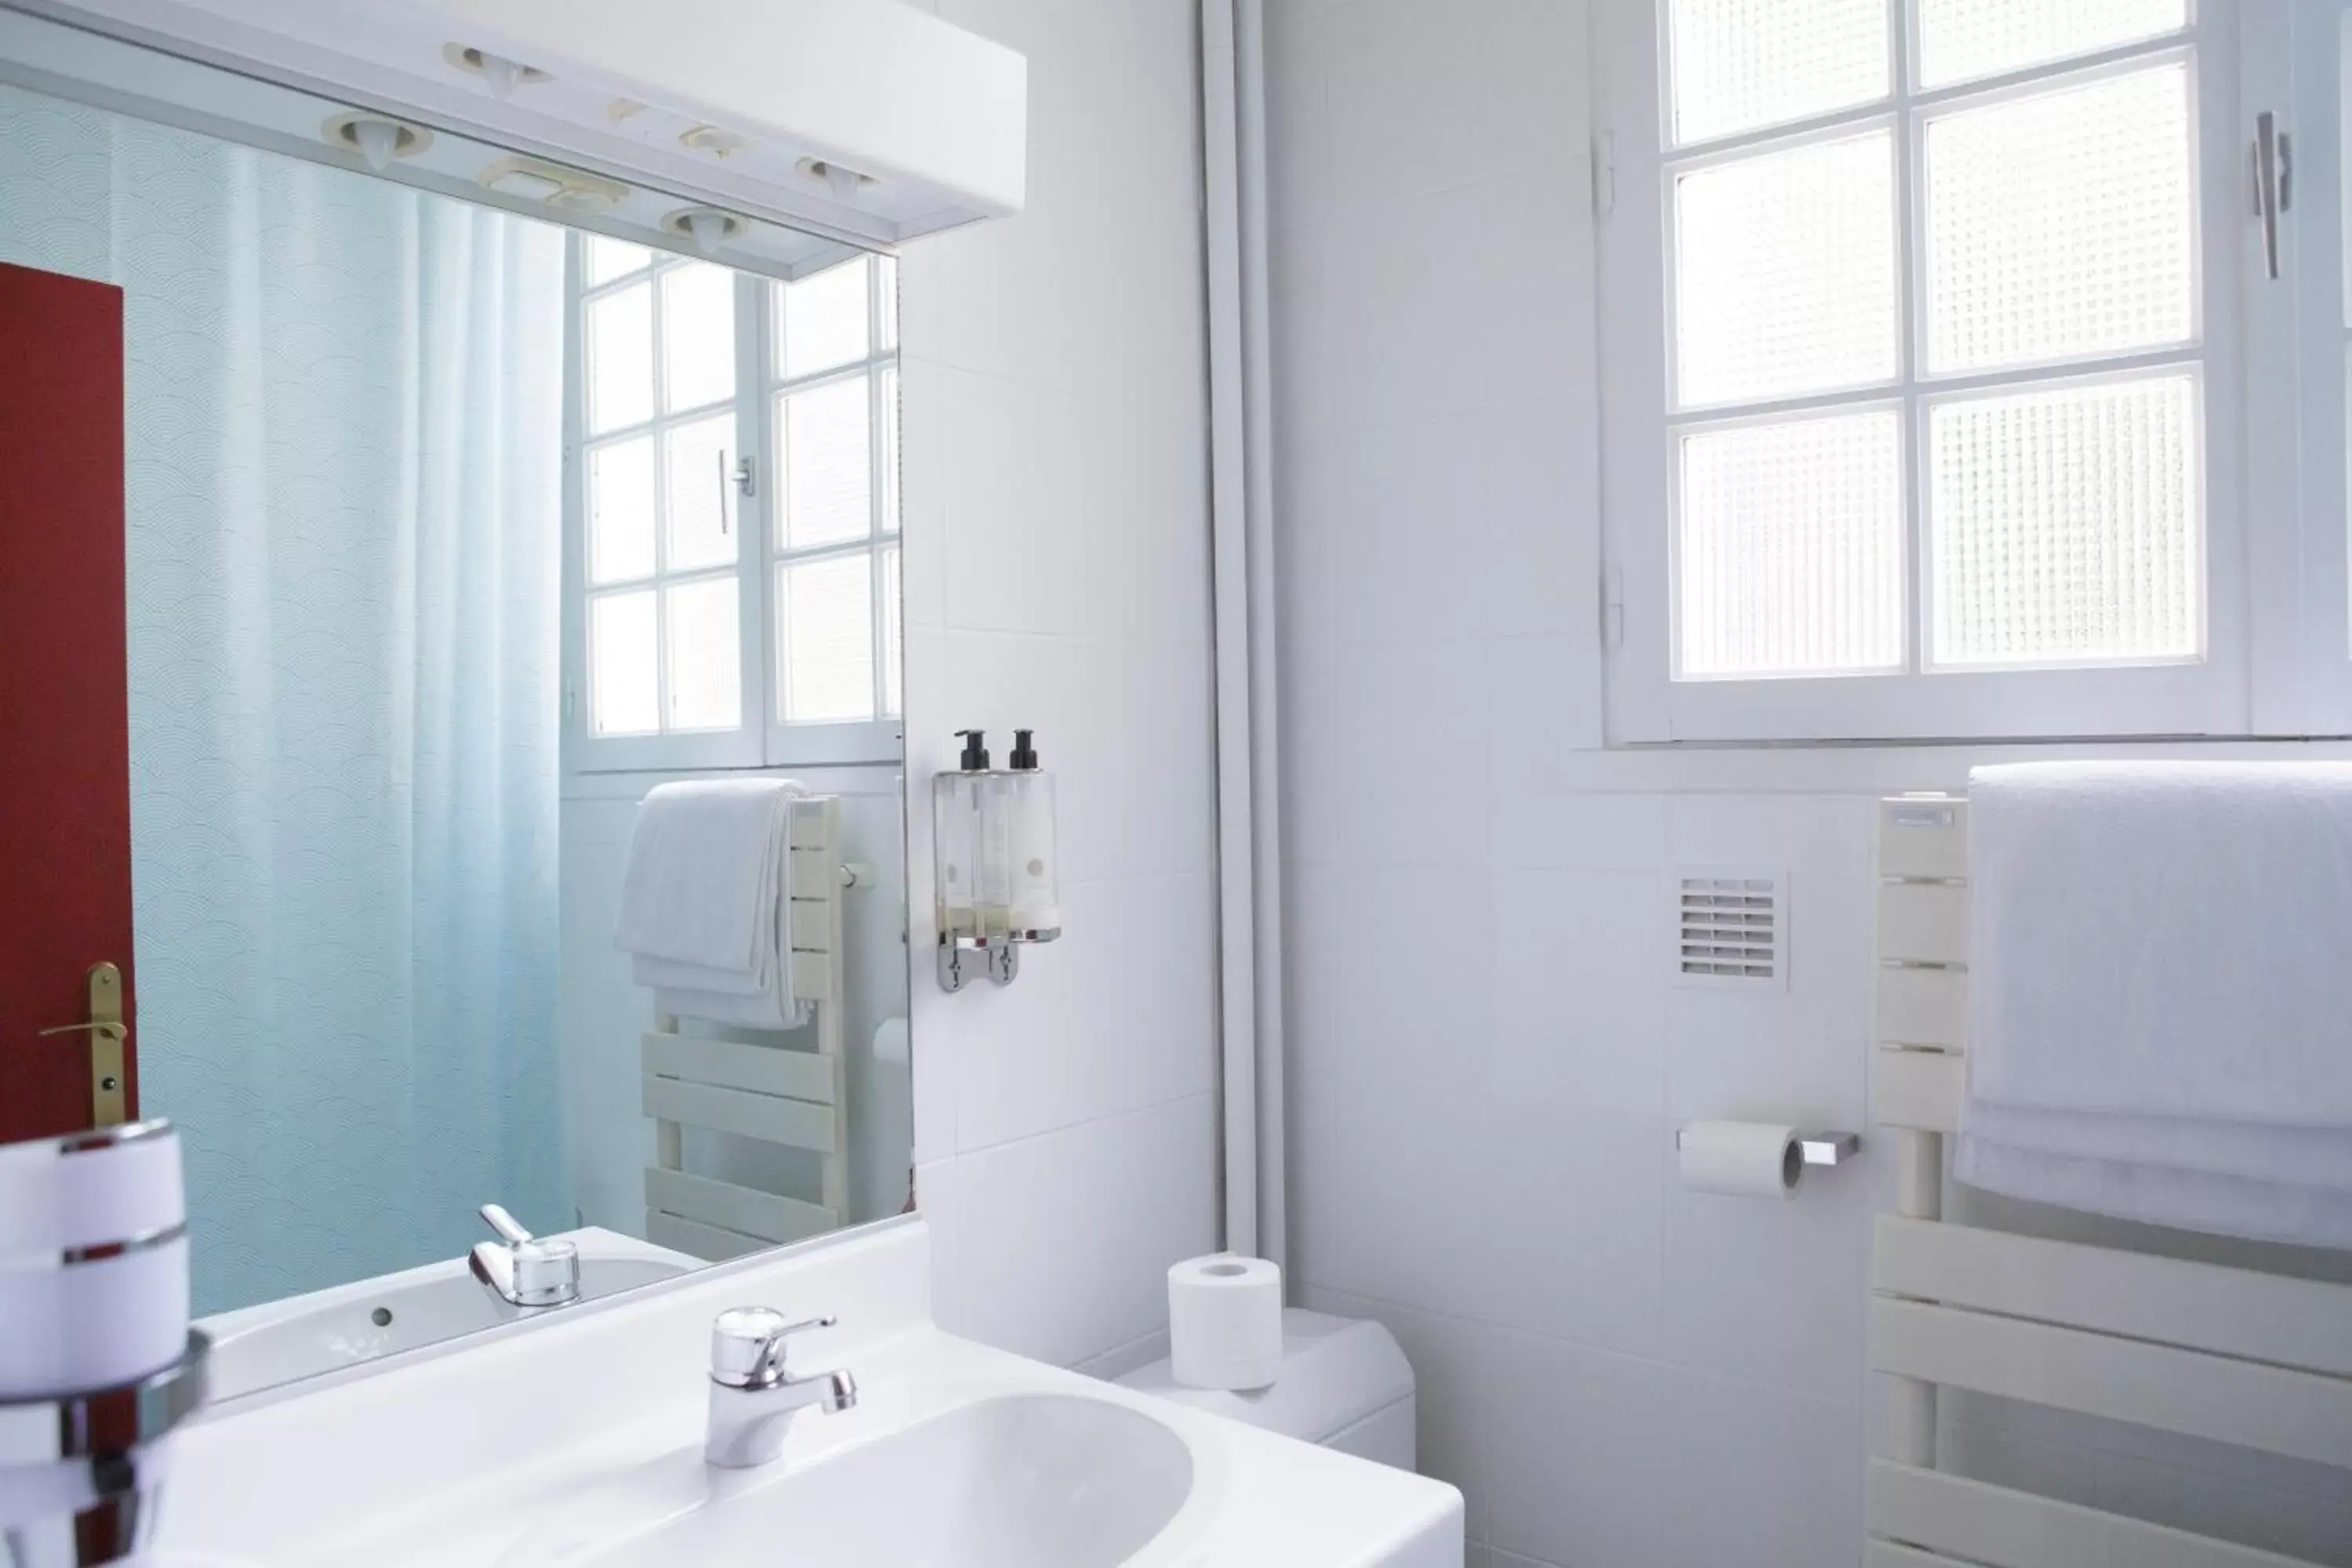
725 482
2274 184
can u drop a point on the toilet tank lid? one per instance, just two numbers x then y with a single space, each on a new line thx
1335 1372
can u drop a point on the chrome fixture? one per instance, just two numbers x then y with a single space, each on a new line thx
95 1453
753 1397
525 1271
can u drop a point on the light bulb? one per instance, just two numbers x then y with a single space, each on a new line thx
708 228
499 73
845 181
378 141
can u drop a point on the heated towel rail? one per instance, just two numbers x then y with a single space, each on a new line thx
771 1091
2233 1355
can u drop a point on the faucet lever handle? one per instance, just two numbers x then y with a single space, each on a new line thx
508 1228
747 1344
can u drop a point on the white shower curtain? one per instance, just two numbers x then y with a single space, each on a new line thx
344 403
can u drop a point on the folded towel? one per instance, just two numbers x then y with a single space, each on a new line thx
704 904
2155 994
2163 939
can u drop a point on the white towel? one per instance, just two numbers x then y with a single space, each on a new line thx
2157 993
704 905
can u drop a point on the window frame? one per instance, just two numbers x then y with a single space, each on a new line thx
1642 428
760 739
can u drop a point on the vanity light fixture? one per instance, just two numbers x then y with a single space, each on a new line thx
843 182
532 179
498 73
709 227
375 138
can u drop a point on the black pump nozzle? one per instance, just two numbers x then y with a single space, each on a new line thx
975 750
1025 754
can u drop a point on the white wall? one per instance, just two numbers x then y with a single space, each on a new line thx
1486 1060
1058 553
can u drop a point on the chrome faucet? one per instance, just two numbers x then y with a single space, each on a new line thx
525 1271
753 1397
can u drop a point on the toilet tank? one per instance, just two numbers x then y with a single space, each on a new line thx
1344 1384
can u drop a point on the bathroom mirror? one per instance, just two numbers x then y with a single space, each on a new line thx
458 501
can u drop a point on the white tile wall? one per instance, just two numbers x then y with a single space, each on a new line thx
1485 1056
1056 516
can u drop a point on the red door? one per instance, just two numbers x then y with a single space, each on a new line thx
65 743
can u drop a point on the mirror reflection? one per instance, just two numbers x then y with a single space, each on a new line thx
448 536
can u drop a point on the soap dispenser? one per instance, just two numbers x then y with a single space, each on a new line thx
1036 868
969 825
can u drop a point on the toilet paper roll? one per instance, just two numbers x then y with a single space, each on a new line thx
1225 1321
1745 1159
90 1189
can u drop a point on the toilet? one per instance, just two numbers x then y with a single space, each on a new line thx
1344 1384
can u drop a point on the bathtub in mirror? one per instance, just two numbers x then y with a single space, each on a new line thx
412 530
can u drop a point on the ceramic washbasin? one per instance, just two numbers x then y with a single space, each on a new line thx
1028 1480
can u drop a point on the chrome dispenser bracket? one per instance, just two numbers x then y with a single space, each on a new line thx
964 959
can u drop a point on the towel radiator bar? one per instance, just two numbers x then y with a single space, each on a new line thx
771 1091
2232 1355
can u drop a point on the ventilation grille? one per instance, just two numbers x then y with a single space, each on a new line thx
1732 928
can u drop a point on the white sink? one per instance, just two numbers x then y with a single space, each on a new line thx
1039 1481
576 1441
280 1342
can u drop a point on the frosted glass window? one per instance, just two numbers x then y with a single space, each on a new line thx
697 336
1960 40
1741 65
610 258
890 450
2064 525
621 510
1790 555
2062 225
1785 268
706 659
823 320
823 444
825 611
698 475
620 354
624 663
894 622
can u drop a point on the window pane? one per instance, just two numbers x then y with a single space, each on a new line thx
824 319
620 351
826 645
697 336
621 510
1785 272
610 258
2062 525
706 657
701 493
890 451
894 663
887 268
2061 225
1963 39
624 669
821 441
1736 65
1790 560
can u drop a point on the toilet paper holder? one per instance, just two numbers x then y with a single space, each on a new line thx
1823 1148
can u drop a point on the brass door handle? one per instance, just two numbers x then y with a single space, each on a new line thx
110 1096
106 1030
